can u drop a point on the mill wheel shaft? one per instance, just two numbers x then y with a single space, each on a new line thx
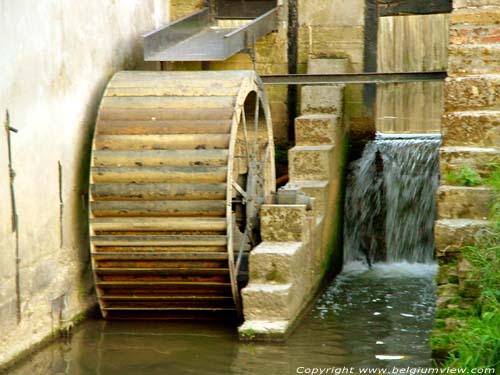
181 162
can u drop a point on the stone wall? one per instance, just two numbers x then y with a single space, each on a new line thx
470 141
56 60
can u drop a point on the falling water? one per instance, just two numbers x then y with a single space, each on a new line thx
390 200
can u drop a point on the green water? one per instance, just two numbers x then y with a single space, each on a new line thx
361 316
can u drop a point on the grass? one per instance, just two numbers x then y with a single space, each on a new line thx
466 176
476 344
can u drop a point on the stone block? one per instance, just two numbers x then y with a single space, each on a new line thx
457 4
460 202
327 66
478 159
273 302
481 92
476 16
318 190
317 130
474 59
310 162
471 128
447 274
453 234
276 262
282 223
322 99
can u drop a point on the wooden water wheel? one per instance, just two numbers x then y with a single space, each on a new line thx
181 162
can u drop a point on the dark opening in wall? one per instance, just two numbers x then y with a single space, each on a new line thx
242 8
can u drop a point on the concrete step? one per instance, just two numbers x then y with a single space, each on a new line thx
460 202
453 234
471 128
317 190
474 59
273 301
310 162
313 130
472 93
277 262
478 159
322 99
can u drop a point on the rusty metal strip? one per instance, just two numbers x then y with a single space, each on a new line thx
321 79
15 222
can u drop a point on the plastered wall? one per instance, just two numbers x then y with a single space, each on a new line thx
55 60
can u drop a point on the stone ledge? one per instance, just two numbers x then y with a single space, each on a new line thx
456 202
455 157
453 234
457 4
471 128
264 330
476 16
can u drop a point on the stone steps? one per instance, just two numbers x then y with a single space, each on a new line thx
472 93
471 128
460 202
479 159
451 235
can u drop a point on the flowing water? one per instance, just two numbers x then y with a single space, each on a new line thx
390 200
377 318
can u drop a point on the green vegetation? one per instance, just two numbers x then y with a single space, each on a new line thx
466 176
476 340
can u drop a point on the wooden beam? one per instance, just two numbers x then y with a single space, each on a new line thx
407 7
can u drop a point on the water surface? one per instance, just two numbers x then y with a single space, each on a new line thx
362 315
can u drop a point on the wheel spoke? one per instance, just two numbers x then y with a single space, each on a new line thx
256 126
245 134
240 190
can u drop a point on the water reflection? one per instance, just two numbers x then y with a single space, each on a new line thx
385 312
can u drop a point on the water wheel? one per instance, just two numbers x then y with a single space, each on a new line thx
181 162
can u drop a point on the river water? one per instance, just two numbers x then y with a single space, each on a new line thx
365 318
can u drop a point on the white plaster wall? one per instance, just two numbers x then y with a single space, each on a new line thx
56 57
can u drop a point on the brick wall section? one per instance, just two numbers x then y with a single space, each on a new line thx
471 137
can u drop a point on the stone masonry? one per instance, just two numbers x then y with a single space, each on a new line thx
470 139
300 245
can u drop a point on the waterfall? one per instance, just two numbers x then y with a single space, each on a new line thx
390 203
